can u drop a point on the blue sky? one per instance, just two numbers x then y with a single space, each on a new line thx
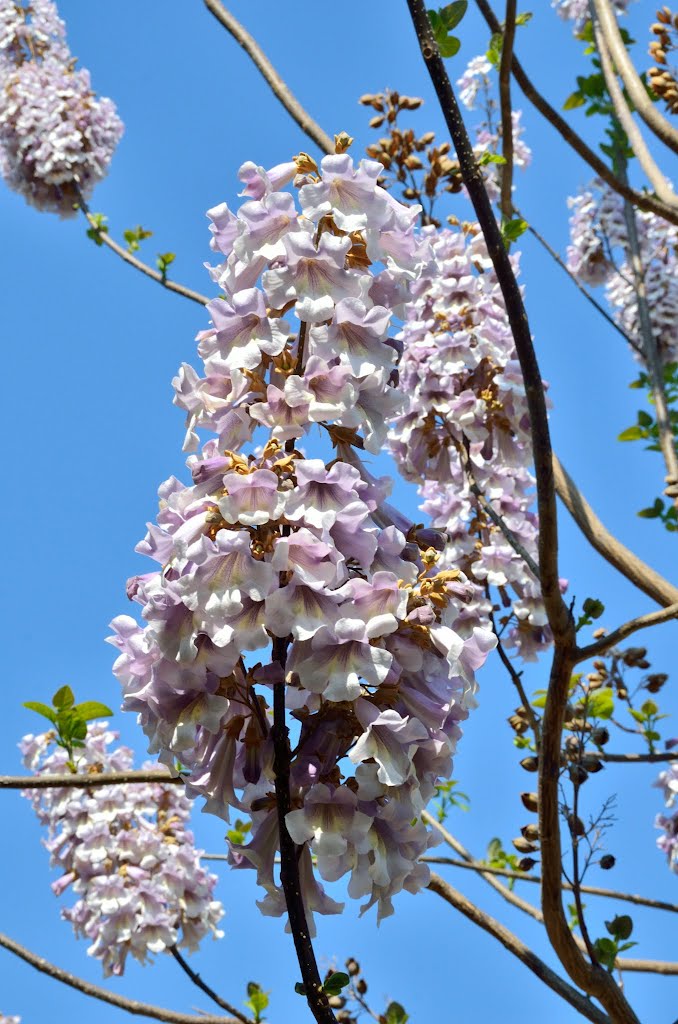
90 350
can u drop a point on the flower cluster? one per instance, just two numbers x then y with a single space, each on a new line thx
299 559
56 137
466 428
598 254
9 1020
126 852
668 841
579 11
476 90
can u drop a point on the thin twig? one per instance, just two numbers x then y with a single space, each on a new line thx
585 292
515 677
657 758
521 876
505 892
197 980
613 638
251 47
155 275
518 948
650 114
643 201
505 200
97 992
658 181
600 538
77 781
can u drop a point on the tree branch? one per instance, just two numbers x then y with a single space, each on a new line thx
639 199
662 756
506 197
76 781
514 945
155 275
600 538
197 980
521 876
642 622
558 614
652 172
503 890
289 864
307 124
652 117
97 992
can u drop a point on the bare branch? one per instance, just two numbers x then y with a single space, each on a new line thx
616 553
307 124
77 781
642 622
506 197
197 980
521 876
505 892
155 275
641 200
585 292
652 117
514 945
558 614
97 992
625 118
666 755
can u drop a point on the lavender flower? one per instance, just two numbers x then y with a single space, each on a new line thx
274 546
126 853
668 823
56 137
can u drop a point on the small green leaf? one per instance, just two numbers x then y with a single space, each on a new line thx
649 708
395 1014
300 988
644 418
453 13
41 709
491 158
634 433
90 709
257 1000
523 18
511 230
574 100
601 703
334 984
63 698
449 46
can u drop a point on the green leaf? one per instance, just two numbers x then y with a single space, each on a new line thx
523 18
638 715
593 607
649 513
606 951
63 698
491 158
334 984
620 927
41 709
601 703
634 433
90 709
453 13
644 418
649 708
494 52
449 46
300 988
257 1000
511 230
395 1014
574 100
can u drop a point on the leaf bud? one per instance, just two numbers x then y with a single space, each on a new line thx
607 861
526 863
523 846
592 764
337 1002
530 764
578 774
530 832
361 987
600 735
352 967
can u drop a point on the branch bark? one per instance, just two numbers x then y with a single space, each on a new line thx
650 114
627 629
97 992
155 275
641 200
514 945
506 197
76 781
249 44
617 554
